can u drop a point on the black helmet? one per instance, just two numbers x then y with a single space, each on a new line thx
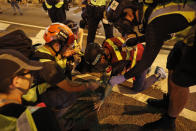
116 7
72 25
93 53
115 14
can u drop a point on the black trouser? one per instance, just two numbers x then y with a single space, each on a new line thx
181 60
57 14
95 14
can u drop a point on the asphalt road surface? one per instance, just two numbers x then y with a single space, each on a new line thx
122 110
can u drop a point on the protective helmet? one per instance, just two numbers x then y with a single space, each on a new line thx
93 53
58 32
116 7
116 15
72 25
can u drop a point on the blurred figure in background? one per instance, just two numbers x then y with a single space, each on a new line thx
14 4
56 9
95 13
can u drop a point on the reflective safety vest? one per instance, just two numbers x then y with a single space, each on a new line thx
99 2
25 121
188 11
32 95
57 5
117 54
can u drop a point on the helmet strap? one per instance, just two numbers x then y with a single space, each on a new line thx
51 46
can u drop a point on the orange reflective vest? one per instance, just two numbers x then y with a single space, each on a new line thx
114 45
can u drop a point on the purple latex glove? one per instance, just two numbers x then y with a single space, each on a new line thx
115 80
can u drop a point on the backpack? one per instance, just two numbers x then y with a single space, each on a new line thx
17 40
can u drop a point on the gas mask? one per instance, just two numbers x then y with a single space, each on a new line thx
124 26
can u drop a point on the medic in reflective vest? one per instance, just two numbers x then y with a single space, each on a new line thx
56 9
55 56
113 59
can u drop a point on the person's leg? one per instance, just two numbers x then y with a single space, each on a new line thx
178 98
141 83
51 14
93 22
17 6
173 60
13 6
60 15
182 77
108 30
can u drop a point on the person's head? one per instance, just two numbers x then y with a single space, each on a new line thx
96 56
58 37
73 26
124 14
16 71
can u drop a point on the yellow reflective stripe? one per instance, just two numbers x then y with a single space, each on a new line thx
128 54
30 120
7 123
44 60
98 2
121 40
59 4
31 95
134 58
43 87
47 5
44 50
172 8
115 48
62 62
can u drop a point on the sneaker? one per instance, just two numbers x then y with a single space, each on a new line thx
160 71
159 103
15 14
165 123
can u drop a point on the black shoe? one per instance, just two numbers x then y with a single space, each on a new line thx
162 103
165 123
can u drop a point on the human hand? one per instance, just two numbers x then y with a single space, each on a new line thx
68 53
115 80
98 105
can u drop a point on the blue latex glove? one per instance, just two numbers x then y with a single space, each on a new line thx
115 80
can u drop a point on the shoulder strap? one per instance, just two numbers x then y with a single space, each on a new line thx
40 55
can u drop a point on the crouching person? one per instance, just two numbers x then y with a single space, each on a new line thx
15 80
53 84
115 59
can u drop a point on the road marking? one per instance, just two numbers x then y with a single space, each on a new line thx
186 113
15 23
3 26
41 27
38 38
192 89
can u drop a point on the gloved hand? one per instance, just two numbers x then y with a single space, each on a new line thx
115 80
